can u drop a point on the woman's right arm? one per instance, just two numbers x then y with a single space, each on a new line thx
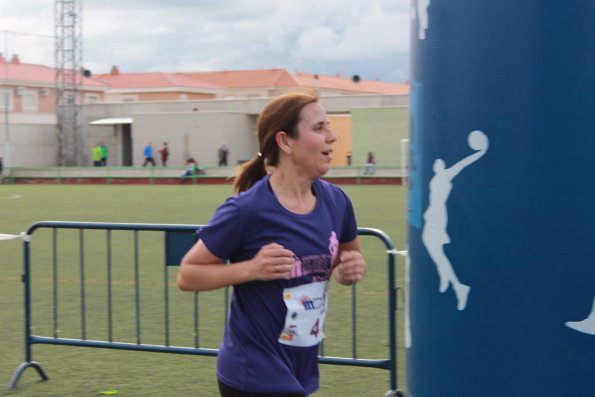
200 270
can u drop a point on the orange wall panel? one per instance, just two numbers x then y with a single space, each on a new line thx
341 126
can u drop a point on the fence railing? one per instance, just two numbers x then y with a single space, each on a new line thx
82 291
155 175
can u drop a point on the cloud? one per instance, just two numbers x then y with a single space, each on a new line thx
369 34
147 35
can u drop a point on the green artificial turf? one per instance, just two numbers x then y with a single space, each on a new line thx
81 371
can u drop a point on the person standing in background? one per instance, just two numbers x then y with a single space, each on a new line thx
96 155
164 151
103 148
222 154
370 163
148 152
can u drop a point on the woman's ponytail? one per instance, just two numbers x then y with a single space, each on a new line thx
249 173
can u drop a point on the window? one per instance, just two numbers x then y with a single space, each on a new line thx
29 101
92 98
5 99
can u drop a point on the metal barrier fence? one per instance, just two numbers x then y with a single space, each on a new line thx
177 239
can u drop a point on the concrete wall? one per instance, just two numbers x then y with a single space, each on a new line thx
197 128
336 104
157 96
195 134
31 145
172 117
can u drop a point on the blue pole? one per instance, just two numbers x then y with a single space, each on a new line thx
502 281
27 286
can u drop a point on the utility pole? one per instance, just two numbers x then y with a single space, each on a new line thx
7 160
68 22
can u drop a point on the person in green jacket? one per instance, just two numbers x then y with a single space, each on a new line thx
103 148
96 153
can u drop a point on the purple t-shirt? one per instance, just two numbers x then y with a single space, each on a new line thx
251 357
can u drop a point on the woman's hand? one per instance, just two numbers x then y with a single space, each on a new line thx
272 262
351 268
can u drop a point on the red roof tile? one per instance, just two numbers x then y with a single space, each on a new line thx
247 78
24 73
154 80
347 84
283 78
21 73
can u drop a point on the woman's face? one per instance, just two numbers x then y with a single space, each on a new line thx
311 151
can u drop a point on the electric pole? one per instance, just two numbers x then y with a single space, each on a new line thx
68 23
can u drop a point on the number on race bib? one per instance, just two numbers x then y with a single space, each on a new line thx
315 329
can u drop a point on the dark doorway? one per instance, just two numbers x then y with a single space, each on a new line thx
126 144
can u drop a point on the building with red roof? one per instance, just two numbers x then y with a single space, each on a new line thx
234 84
194 111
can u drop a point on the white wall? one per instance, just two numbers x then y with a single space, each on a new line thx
194 134
192 128
31 145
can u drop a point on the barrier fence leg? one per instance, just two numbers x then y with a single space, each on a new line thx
21 369
27 295
394 393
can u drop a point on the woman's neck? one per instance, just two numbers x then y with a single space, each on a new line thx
294 193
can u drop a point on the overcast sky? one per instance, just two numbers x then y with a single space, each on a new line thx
369 38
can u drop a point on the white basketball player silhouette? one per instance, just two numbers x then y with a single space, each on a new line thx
587 325
434 234
423 19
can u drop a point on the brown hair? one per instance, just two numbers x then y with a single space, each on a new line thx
281 114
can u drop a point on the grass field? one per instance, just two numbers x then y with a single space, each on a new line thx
76 371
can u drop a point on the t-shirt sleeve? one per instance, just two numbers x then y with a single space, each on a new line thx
224 233
349 232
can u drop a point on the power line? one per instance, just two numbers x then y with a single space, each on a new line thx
5 31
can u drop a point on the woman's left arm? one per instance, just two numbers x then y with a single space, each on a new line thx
351 266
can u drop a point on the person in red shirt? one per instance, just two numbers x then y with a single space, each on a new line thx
164 154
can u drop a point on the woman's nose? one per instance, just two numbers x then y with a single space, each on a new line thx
332 137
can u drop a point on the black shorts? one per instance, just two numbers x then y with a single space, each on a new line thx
227 391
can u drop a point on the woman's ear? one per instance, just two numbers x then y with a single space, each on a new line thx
283 141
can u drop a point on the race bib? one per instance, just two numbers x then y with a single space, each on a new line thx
306 310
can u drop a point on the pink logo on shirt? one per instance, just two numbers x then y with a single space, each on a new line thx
316 263
333 247
296 269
